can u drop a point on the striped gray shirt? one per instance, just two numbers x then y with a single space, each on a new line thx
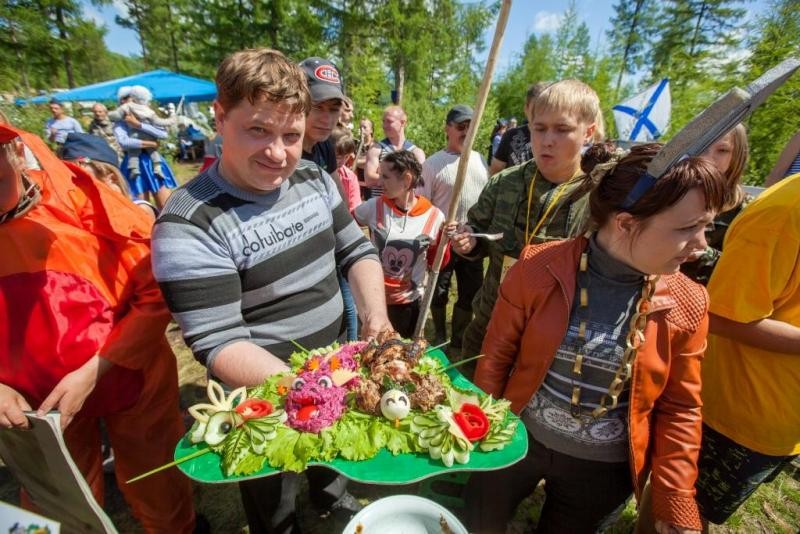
240 266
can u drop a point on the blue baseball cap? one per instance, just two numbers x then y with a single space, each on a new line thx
88 146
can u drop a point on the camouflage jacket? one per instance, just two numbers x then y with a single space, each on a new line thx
701 269
503 207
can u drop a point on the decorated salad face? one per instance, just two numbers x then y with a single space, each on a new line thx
314 401
351 402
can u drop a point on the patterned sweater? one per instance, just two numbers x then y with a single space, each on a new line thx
240 266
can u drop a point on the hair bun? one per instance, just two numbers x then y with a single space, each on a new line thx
596 154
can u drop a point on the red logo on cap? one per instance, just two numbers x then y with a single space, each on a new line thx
327 73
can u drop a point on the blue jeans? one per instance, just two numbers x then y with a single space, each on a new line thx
350 315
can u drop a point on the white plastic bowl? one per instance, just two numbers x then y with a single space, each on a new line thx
403 514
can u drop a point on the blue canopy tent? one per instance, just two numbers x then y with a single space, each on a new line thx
166 87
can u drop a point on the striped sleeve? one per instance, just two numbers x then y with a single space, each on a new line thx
200 284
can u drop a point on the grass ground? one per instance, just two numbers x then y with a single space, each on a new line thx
775 507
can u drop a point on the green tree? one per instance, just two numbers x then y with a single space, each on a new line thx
534 64
46 44
777 38
216 28
572 54
628 39
696 41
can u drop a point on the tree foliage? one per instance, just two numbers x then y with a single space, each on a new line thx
776 38
422 53
632 27
48 43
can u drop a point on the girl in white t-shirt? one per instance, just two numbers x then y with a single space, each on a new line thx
406 229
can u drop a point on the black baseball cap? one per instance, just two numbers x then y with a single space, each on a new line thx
459 114
324 82
92 147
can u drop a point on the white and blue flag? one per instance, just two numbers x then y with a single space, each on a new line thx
644 117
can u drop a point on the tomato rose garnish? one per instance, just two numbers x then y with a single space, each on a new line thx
472 421
254 408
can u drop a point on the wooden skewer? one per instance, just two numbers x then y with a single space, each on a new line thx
480 104
461 362
164 467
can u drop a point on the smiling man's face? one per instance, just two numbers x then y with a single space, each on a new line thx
262 143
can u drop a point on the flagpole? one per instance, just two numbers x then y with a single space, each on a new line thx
480 104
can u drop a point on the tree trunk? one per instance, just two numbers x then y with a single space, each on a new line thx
67 57
697 28
23 71
399 81
344 38
628 44
135 9
172 43
273 24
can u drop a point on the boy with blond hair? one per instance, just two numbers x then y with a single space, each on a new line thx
246 255
539 200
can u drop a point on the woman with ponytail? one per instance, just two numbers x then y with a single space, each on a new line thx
597 342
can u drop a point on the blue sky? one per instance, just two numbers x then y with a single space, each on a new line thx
527 16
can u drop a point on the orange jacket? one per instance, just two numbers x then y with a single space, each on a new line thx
75 281
528 325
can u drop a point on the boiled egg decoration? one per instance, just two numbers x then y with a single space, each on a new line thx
395 405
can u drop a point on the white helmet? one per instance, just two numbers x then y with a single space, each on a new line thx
123 92
141 94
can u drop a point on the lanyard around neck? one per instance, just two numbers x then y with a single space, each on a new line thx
560 190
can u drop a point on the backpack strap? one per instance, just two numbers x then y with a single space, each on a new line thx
430 222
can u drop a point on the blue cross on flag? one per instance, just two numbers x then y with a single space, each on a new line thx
644 117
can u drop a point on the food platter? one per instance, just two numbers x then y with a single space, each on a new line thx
401 460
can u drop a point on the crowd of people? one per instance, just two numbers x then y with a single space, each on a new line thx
592 317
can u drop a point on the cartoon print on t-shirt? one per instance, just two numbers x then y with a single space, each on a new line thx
398 258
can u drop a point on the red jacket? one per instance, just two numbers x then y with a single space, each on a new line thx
528 325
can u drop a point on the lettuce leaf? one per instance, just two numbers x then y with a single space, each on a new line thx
353 439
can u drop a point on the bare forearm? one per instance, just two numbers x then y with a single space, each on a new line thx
785 160
371 175
246 364
765 334
366 283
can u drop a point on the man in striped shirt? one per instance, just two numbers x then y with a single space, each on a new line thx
246 255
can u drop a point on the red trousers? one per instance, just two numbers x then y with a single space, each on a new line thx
143 438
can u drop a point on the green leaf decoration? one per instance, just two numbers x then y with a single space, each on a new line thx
249 464
297 359
499 436
280 450
353 440
235 448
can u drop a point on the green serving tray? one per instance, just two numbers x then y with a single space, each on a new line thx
383 468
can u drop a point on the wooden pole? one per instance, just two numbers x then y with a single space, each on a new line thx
480 104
